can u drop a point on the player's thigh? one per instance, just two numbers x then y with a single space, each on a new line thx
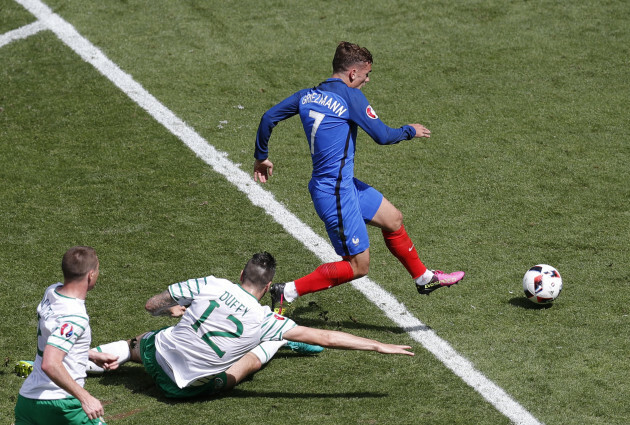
345 225
240 370
371 201
388 217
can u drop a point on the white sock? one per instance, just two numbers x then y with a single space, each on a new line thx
290 292
118 348
425 278
267 349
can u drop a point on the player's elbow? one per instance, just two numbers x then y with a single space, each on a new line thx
382 140
48 366
150 306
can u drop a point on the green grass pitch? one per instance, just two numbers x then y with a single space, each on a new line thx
528 163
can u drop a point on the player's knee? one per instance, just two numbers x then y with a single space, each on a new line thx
393 221
396 220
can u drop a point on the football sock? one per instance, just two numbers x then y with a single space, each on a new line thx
400 245
267 349
324 277
425 278
290 292
118 348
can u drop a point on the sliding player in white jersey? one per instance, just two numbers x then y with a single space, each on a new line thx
224 334
53 393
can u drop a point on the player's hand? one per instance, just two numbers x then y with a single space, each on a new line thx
107 361
177 310
263 170
92 407
421 131
395 349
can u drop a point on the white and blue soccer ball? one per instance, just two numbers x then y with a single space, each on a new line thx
542 284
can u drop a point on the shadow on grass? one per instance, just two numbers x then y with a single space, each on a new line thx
323 321
523 302
237 393
136 380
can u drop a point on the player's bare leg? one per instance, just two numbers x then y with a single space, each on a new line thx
323 277
390 220
245 366
134 348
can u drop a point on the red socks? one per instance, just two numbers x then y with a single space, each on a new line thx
324 277
401 246
333 274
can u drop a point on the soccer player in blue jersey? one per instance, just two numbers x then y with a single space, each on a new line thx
331 114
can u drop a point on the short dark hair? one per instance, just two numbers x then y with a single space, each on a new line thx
348 54
78 261
260 269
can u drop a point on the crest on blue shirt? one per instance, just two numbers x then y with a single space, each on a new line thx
371 112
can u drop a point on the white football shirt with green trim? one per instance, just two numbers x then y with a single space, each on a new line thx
63 322
222 323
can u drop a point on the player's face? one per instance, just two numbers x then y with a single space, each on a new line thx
361 75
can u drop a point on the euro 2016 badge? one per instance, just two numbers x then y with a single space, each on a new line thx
66 330
371 112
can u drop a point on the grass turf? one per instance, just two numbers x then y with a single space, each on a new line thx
527 163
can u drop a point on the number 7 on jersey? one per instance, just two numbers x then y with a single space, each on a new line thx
318 117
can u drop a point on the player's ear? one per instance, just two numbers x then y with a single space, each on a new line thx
352 74
241 277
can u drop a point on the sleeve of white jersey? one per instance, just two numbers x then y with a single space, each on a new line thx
184 292
275 326
70 328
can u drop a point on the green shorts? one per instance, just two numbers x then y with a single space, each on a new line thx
65 411
165 383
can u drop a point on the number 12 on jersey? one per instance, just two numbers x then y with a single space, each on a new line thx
206 336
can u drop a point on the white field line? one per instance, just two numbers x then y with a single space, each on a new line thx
23 32
395 310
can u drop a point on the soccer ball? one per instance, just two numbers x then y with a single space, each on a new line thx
542 284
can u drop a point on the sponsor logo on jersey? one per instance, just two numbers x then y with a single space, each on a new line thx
66 330
371 112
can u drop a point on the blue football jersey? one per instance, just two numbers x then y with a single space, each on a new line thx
330 114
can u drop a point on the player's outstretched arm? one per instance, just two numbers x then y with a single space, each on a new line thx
263 169
343 340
